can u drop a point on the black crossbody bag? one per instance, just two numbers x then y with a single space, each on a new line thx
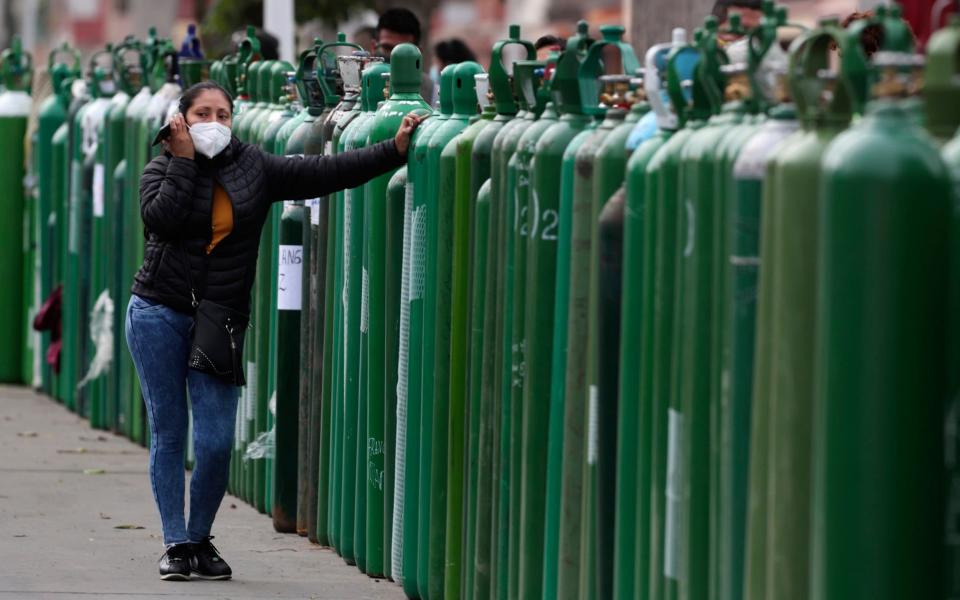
217 335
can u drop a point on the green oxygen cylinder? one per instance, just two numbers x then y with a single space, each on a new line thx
396 200
481 225
941 93
446 501
379 329
311 98
132 63
343 456
308 435
59 150
784 375
251 395
106 235
579 212
269 97
506 415
16 72
353 512
466 331
436 333
246 120
237 73
83 267
349 68
624 95
62 66
323 250
534 96
545 284
940 85
693 301
883 297
736 266
411 515
262 307
95 320
268 134
286 358
75 89
127 176
162 91
631 552
490 161
412 522
338 104
67 379
284 328
163 103
661 188
278 106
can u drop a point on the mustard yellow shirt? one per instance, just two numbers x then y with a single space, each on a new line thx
221 221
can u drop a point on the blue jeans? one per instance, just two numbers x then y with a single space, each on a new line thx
159 342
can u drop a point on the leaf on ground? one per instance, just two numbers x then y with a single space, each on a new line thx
128 526
27 434
93 471
19 535
72 451
103 516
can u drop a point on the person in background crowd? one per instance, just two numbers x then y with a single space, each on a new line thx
269 44
547 44
750 15
366 38
871 38
448 52
398 26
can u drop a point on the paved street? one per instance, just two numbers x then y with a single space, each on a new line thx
77 520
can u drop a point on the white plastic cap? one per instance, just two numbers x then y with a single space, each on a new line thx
678 36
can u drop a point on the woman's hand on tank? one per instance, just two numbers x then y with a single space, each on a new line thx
407 127
179 143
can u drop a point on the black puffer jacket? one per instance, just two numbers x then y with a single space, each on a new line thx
176 200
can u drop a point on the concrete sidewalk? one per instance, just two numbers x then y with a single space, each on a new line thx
66 533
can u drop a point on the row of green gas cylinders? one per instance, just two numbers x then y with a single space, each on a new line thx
682 327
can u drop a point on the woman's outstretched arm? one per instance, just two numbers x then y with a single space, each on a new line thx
303 177
311 176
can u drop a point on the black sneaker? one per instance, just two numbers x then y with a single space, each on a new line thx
175 563
206 562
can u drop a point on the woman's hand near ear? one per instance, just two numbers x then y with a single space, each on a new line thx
179 143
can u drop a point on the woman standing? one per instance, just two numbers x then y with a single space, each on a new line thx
204 202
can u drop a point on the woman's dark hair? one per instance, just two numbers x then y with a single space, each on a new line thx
190 95
453 51
400 20
550 40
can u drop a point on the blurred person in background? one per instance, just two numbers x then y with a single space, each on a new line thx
448 52
547 44
399 26
750 15
366 38
269 44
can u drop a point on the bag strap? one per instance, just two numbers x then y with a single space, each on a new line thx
194 300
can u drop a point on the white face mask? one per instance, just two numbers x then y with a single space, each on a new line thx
209 139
